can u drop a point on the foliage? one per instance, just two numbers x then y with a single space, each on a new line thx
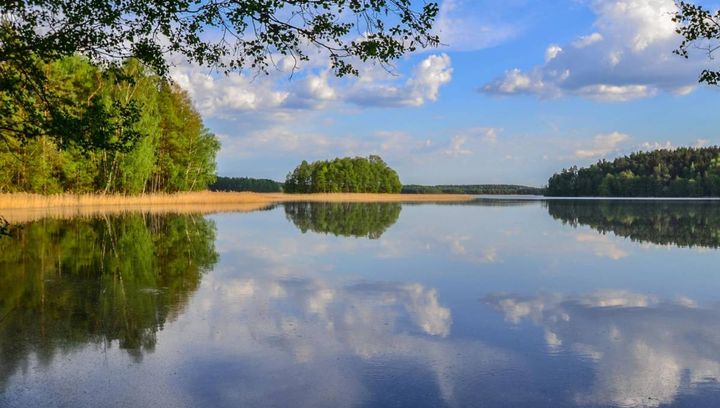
683 172
344 219
226 35
152 139
700 28
508 189
4 227
681 223
245 184
104 280
346 175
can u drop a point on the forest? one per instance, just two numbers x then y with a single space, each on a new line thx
509 189
343 175
245 184
682 172
133 132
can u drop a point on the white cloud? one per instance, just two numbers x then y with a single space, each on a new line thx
602 145
463 25
466 142
649 146
227 96
423 86
552 51
585 40
629 57
515 81
616 93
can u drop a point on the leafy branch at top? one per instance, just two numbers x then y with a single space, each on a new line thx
700 29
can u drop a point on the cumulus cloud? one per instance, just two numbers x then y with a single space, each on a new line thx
629 57
602 145
423 86
552 51
464 143
217 95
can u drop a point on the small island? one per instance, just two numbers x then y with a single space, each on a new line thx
344 175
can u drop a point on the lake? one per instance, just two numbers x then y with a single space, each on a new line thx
490 303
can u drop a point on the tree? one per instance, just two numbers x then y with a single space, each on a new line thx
700 28
682 172
346 175
223 34
165 148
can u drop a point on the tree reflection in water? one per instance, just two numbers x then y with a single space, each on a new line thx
680 223
102 280
344 219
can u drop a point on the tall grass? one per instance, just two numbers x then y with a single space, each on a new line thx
29 201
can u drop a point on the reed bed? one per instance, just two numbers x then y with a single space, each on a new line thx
30 201
23 207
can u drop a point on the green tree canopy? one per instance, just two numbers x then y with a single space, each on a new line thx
153 139
346 175
700 28
683 172
246 184
222 34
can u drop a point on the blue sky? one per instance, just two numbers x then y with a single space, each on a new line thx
520 90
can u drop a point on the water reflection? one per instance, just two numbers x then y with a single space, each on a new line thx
344 219
331 344
308 320
645 350
681 223
101 280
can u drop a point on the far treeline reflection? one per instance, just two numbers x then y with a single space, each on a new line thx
68 283
680 223
369 220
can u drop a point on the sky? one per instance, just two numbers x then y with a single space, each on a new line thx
519 89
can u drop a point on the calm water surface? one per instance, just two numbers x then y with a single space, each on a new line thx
492 303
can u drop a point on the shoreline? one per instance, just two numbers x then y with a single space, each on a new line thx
21 207
27 200
202 201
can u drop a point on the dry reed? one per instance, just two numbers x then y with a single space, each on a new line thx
23 207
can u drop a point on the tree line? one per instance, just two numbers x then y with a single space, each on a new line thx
245 184
133 132
508 189
343 175
682 172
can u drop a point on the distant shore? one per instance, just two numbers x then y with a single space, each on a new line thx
24 206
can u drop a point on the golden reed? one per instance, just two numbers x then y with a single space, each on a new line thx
23 207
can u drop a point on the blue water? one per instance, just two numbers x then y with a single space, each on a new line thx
488 304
